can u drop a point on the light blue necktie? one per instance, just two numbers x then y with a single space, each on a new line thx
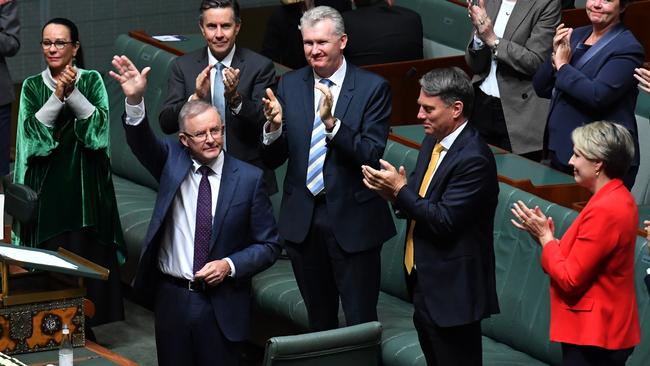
317 150
217 97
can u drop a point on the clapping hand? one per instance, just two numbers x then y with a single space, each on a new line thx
272 110
325 108
482 23
231 83
202 88
65 82
387 182
132 81
643 76
533 221
561 46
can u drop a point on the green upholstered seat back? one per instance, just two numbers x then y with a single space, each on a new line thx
123 161
641 354
522 286
443 22
393 281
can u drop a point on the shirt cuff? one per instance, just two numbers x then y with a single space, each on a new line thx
81 107
478 43
232 266
49 111
269 137
134 113
237 109
330 135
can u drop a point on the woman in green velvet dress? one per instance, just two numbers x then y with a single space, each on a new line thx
62 152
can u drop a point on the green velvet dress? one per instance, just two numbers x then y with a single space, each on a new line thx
67 161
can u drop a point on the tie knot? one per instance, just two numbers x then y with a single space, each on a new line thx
205 170
438 148
220 66
327 82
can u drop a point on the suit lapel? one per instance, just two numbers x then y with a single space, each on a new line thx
519 13
451 155
423 160
227 188
347 91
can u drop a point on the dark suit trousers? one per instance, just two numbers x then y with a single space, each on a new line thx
574 355
187 332
324 272
445 346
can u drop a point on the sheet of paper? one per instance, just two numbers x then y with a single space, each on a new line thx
167 38
31 256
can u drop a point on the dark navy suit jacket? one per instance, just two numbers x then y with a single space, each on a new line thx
603 88
361 219
453 234
243 226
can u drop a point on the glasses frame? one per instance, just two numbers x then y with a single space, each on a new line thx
197 136
59 45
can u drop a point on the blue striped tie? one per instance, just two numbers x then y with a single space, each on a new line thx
218 99
317 150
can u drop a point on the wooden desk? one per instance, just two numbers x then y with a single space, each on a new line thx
91 355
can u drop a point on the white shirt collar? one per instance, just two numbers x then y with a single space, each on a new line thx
337 77
448 140
49 80
227 61
216 165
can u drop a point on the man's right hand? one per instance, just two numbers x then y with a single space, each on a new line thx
272 111
132 81
202 89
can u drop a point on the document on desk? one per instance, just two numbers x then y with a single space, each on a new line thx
170 38
35 257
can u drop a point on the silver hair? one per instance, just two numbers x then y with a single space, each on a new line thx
450 85
320 13
608 142
192 109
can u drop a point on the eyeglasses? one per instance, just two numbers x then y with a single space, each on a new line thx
215 132
58 44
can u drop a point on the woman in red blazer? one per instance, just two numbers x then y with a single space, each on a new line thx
593 300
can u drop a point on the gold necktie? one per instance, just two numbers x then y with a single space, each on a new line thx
408 252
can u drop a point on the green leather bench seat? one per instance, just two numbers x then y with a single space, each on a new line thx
516 167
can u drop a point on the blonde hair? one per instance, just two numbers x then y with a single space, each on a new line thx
608 142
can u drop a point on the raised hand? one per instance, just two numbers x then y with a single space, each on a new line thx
231 83
272 110
482 23
65 82
643 76
561 46
325 109
387 182
202 89
132 81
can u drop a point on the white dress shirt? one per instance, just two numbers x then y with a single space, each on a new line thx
446 143
176 255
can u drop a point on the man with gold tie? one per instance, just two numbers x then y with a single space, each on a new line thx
450 201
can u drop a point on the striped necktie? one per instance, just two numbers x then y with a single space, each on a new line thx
408 251
317 150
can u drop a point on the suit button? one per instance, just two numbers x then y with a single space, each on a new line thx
524 96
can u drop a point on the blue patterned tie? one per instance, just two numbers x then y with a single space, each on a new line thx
203 229
317 150
217 97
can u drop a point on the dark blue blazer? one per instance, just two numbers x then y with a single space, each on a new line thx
244 228
361 219
453 235
603 88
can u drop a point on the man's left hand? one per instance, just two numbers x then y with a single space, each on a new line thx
326 103
231 83
387 182
213 273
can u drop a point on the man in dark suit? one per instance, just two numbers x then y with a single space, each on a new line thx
9 45
333 226
232 78
211 230
450 202
381 33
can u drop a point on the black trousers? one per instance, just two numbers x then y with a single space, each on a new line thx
574 355
325 272
445 346
187 332
487 117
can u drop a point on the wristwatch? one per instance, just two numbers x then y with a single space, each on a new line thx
495 47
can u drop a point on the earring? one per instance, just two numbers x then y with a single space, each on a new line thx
597 172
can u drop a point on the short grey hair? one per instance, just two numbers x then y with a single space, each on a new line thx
192 109
450 85
320 13
608 142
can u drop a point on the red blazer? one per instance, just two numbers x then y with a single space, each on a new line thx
593 299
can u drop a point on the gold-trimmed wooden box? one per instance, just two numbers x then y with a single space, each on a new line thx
36 303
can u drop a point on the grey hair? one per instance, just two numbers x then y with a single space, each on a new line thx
320 13
192 109
450 85
608 142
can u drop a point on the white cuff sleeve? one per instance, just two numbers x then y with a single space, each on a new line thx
49 111
478 43
81 107
237 109
232 266
134 113
269 137
330 135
